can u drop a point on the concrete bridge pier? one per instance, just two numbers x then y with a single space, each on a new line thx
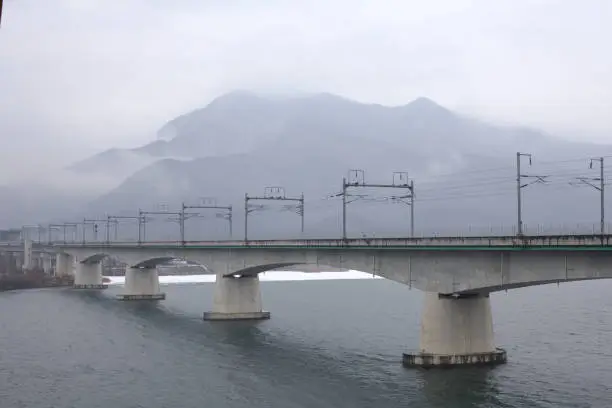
64 264
237 298
141 284
28 259
47 264
89 276
456 330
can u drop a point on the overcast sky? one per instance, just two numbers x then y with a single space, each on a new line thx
78 76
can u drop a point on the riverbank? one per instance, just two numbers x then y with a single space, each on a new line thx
32 281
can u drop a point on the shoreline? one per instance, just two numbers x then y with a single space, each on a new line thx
32 281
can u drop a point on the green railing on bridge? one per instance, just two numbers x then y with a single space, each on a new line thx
558 242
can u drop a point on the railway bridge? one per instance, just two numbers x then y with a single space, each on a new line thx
457 274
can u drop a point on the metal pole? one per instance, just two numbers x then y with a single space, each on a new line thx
518 194
246 216
139 227
83 232
412 208
302 205
602 195
144 228
107 230
182 223
229 217
344 208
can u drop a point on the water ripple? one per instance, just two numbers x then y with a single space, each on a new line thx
328 344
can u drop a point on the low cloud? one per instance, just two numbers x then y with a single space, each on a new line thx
78 76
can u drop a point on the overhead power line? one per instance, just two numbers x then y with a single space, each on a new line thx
206 203
356 179
555 174
600 186
271 194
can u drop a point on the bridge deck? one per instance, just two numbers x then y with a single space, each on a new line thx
549 242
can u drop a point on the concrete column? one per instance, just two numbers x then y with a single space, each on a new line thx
46 264
237 298
63 264
456 330
36 262
89 276
141 284
27 255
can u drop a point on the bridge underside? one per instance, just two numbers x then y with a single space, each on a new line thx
154 262
440 271
255 270
93 259
499 288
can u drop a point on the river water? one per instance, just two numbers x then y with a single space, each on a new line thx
329 344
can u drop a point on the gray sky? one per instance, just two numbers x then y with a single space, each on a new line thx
77 76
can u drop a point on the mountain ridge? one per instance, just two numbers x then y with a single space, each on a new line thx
321 137
171 130
245 142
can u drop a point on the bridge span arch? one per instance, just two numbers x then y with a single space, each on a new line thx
496 281
141 273
441 269
97 258
89 257
155 262
519 285
285 266
133 260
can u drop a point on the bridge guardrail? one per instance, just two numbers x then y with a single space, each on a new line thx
515 241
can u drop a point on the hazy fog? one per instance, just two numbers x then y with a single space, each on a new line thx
78 76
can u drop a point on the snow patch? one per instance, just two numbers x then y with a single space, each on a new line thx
265 276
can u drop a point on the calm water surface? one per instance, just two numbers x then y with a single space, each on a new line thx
328 344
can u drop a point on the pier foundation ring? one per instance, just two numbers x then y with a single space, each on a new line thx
427 360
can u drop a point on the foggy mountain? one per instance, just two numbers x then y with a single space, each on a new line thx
242 142
464 170
239 122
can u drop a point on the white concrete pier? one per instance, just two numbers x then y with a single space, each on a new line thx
456 330
89 276
63 264
237 298
28 261
141 284
47 265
